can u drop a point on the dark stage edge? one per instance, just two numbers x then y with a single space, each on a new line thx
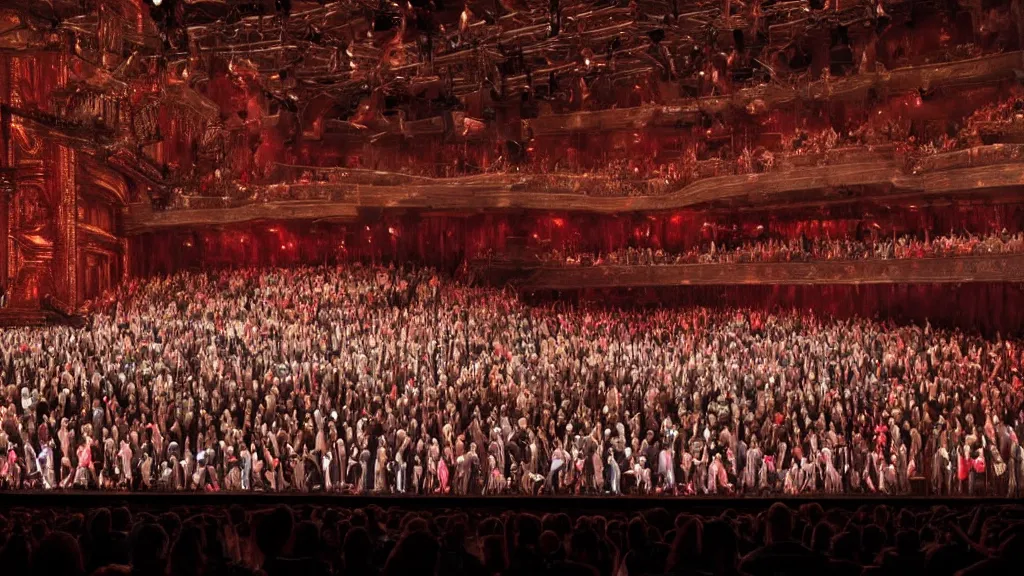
570 504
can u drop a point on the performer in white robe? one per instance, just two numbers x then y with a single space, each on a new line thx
666 469
833 480
614 475
752 470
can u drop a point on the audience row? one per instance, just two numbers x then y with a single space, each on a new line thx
391 380
322 541
802 250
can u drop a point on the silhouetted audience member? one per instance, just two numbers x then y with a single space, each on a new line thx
58 555
188 556
16 555
495 557
150 547
720 549
645 555
416 554
781 555
358 554
312 540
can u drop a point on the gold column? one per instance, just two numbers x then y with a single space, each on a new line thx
9 96
13 124
66 245
6 197
6 169
125 261
65 261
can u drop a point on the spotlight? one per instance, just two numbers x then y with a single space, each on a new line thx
157 2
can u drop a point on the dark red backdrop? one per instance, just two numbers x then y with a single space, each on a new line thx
446 241
986 308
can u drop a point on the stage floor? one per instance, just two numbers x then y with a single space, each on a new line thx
571 504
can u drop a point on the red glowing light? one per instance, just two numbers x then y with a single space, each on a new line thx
677 219
558 222
272 229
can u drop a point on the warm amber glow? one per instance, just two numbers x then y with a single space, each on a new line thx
658 142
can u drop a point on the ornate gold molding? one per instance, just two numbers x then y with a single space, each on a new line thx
814 185
112 183
66 259
963 269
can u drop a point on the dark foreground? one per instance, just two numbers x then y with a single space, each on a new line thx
82 533
76 500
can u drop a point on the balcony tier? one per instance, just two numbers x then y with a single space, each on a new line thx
957 270
990 172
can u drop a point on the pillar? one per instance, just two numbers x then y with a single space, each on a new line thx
65 261
7 179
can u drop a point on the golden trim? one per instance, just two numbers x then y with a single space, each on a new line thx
67 226
107 179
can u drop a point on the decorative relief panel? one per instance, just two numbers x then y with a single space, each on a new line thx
988 268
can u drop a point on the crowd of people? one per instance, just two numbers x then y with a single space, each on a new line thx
397 380
322 541
802 250
648 175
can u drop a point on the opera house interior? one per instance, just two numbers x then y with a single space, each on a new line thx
374 286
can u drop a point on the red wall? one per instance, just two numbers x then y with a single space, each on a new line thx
448 241
982 307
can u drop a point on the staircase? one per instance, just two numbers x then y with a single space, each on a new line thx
22 317
15 317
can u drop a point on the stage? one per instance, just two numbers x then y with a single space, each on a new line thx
574 505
